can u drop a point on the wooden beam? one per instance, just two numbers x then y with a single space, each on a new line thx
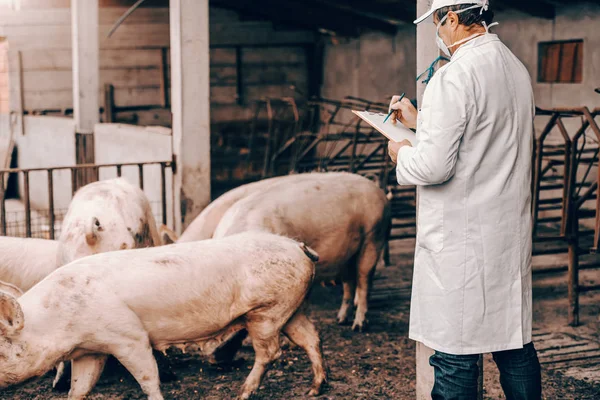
311 14
389 10
536 8
86 50
190 104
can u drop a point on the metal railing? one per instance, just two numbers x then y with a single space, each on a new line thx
51 212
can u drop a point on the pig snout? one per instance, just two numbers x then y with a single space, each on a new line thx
310 253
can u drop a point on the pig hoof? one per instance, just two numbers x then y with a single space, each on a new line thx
314 392
359 326
342 321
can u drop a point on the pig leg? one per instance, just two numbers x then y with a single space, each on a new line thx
367 260
265 340
85 372
62 379
301 331
349 288
136 356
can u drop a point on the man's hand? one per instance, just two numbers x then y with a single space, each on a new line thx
394 148
405 112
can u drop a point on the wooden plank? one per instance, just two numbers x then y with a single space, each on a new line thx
578 60
566 62
223 94
552 62
62 80
60 59
276 55
64 98
62 16
255 33
223 76
58 37
222 56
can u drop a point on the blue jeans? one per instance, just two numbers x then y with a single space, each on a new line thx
456 376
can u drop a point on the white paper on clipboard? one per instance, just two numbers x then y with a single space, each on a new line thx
395 132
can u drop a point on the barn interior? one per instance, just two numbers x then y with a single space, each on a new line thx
189 99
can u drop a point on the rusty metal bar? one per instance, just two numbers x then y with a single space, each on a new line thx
84 166
141 175
567 167
119 172
537 176
73 180
51 216
573 268
27 204
163 188
2 206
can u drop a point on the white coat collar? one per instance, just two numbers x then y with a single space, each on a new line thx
476 42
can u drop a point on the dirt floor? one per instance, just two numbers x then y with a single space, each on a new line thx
377 364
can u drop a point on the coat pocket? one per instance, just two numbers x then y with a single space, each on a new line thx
430 224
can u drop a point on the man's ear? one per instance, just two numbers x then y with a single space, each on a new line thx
452 20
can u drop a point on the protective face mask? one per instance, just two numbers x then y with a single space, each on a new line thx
446 49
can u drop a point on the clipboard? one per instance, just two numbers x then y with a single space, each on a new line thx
395 133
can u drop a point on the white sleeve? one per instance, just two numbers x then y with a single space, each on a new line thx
442 126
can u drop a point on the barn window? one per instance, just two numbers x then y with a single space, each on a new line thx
561 62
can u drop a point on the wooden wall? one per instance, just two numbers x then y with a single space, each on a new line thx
248 58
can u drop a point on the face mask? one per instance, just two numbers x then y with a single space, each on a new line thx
446 49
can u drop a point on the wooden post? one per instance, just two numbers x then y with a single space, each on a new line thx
86 104
190 95
427 52
109 103
16 101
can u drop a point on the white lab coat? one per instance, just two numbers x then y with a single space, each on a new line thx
472 167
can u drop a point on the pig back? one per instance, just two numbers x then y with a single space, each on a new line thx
326 204
26 261
191 289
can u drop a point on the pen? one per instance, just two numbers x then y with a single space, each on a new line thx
391 112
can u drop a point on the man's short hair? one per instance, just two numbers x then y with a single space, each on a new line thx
469 17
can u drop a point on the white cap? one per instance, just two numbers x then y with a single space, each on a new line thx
437 4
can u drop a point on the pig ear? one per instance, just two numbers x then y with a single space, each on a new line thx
91 231
167 236
10 289
11 315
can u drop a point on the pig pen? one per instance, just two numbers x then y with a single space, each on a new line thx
378 364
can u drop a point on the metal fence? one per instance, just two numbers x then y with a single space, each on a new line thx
46 223
564 188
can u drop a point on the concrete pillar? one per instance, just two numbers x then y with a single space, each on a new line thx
427 52
84 30
190 92
86 70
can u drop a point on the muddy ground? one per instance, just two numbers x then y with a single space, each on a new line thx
378 364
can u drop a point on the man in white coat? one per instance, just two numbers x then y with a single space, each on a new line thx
472 166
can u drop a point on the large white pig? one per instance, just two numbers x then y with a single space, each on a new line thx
204 225
106 216
26 261
125 303
343 216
